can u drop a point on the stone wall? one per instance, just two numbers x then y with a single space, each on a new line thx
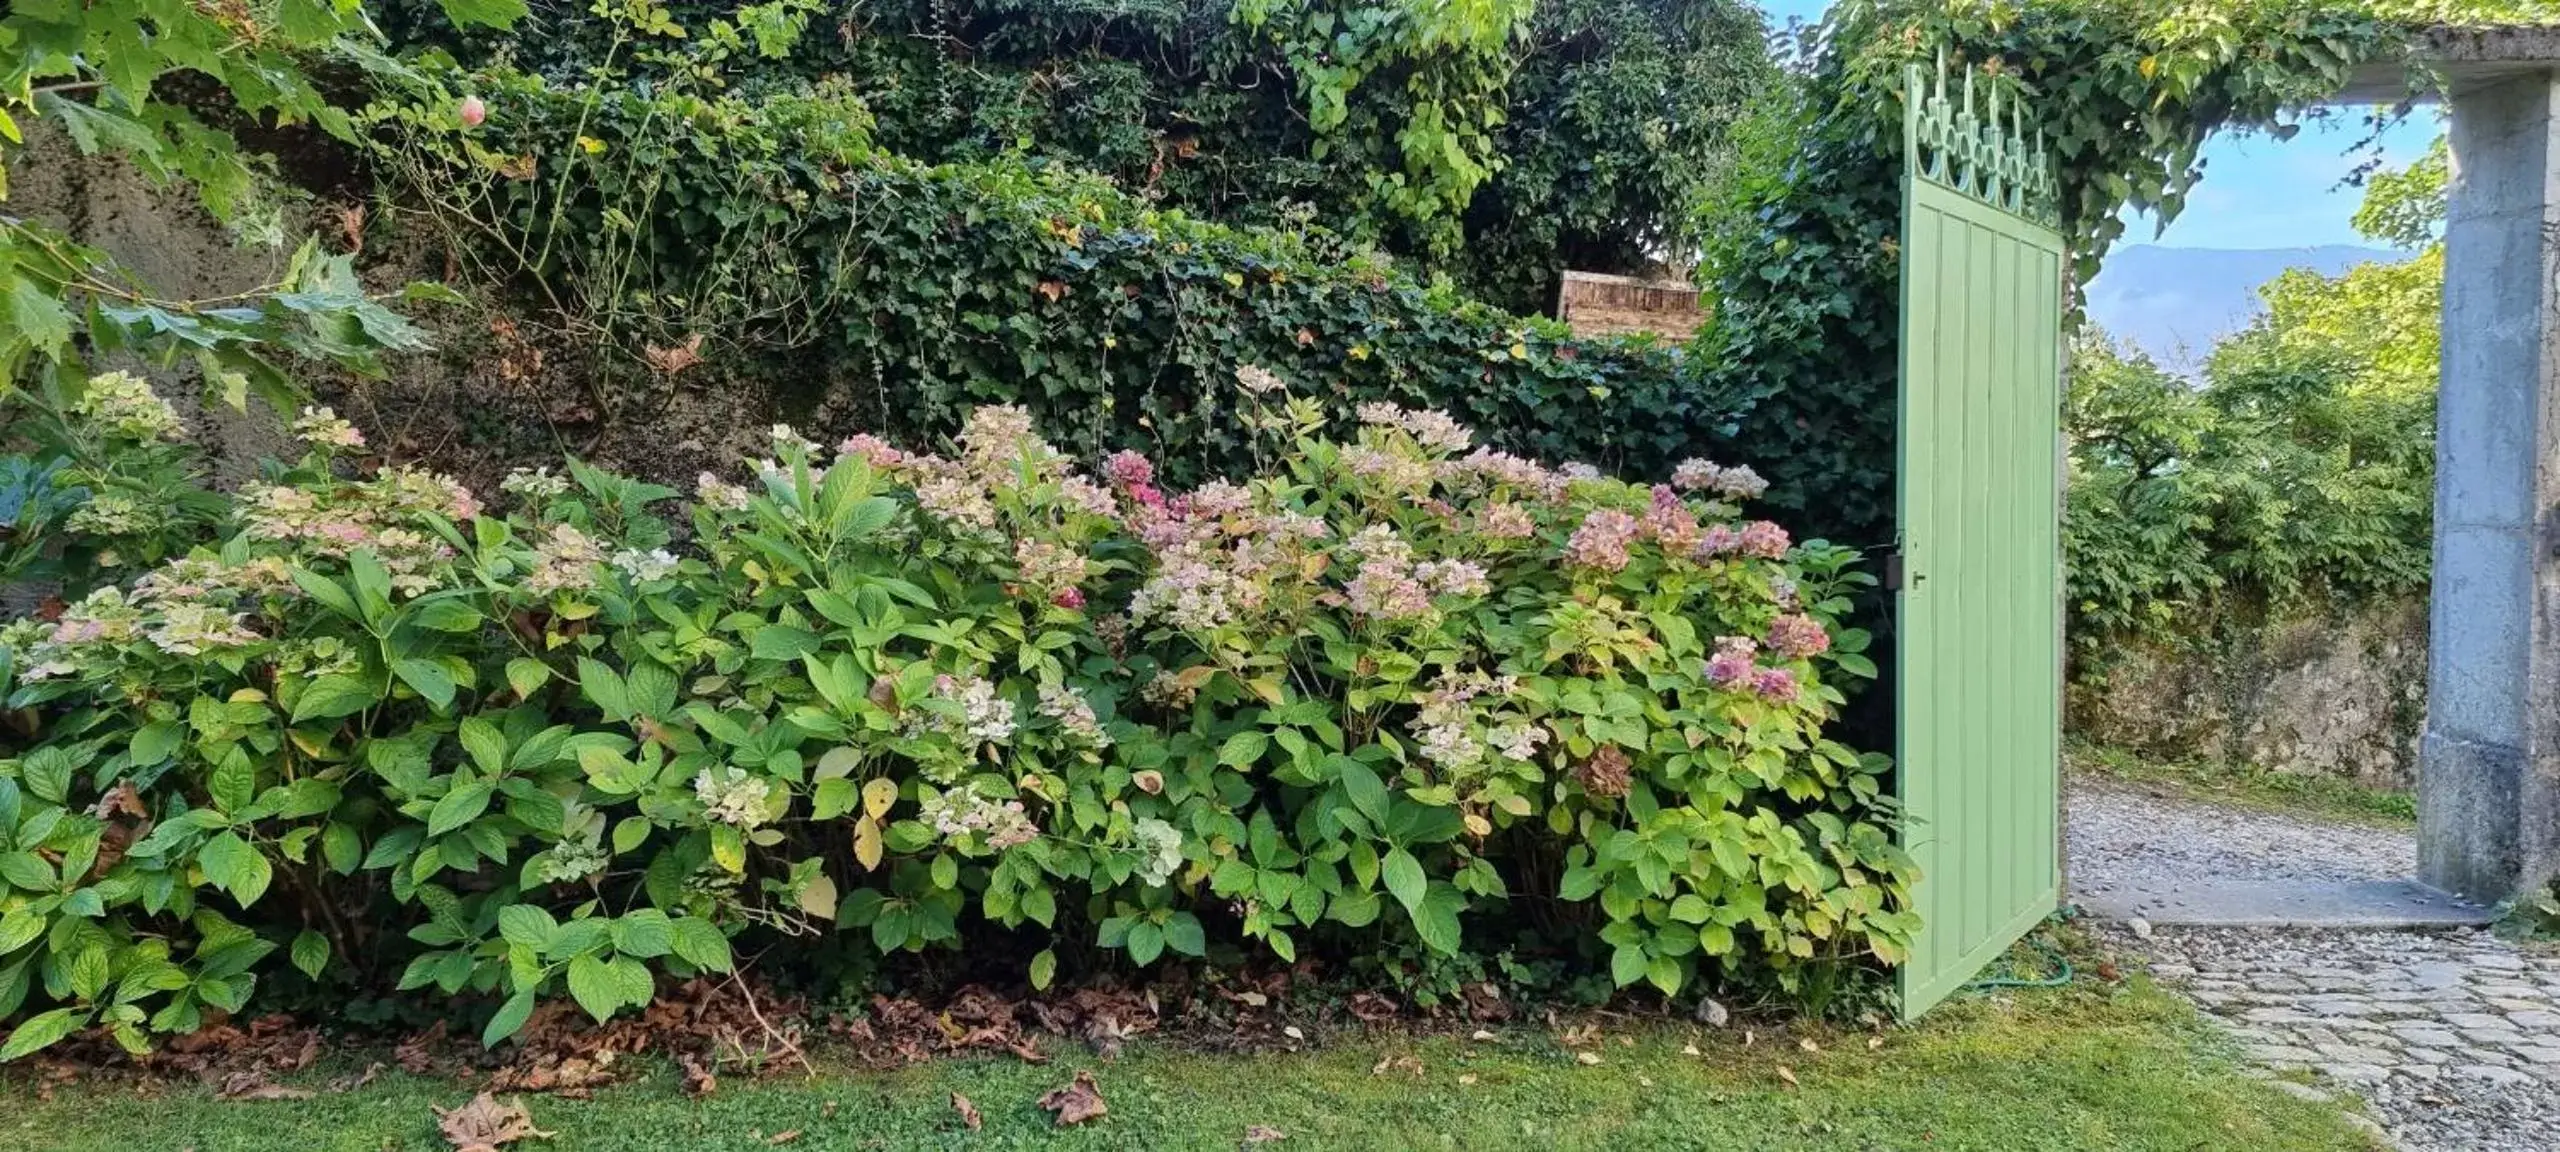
2339 694
502 385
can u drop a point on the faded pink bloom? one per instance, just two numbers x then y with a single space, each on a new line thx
1776 684
1764 540
871 450
1128 469
1507 522
1087 497
1797 636
1669 522
1601 541
473 111
1732 665
1452 577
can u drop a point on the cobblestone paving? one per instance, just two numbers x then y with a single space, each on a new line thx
2453 1037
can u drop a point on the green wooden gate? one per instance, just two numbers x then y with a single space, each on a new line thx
1979 634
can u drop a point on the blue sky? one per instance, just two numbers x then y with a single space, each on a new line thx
2259 192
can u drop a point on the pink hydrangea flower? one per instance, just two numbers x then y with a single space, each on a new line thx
1733 662
871 450
1128 469
1775 684
1763 540
1797 636
1601 541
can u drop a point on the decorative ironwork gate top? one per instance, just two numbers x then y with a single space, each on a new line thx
1948 144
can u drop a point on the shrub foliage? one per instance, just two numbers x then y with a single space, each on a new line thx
766 234
1393 694
1496 142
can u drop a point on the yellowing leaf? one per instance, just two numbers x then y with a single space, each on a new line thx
866 842
877 797
837 763
818 897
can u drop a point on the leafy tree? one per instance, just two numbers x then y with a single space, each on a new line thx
2300 472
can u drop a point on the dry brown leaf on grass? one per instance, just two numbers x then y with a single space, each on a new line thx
484 1124
969 1117
1075 1103
1405 1064
1263 1134
1789 1075
698 1080
785 1136
255 1086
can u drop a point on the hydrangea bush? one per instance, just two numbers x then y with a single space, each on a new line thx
1400 693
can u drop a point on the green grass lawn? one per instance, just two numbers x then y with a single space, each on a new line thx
2248 785
2116 1069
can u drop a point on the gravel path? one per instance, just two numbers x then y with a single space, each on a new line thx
2452 1037
2120 832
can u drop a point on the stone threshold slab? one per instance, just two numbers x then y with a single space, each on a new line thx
2282 904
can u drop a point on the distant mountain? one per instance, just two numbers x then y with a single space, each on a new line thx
2175 302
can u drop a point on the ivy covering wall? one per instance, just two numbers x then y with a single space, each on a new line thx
1497 142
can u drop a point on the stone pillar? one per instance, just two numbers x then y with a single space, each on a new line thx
2489 771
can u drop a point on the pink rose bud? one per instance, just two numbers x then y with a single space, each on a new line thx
473 111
